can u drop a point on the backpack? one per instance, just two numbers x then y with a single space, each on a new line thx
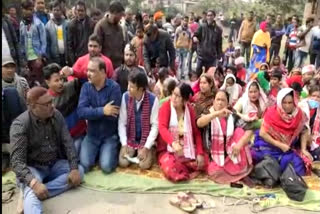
267 172
293 185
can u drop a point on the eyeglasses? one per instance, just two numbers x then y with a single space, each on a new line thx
48 104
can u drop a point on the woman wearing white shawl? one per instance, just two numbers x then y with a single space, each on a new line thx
234 90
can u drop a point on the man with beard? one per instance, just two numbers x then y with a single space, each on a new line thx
33 43
79 69
130 63
56 30
209 39
111 33
79 30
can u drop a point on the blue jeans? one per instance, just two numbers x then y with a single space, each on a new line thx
300 58
56 181
183 54
77 143
108 149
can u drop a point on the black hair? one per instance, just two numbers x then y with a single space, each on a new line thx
193 72
204 12
296 87
185 91
168 18
26 4
50 69
233 69
81 3
11 6
116 7
186 17
101 63
213 12
276 73
310 19
139 78
96 38
95 12
139 18
55 3
163 73
223 91
313 89
171 85
256 84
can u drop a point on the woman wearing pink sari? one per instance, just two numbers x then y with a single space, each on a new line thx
227 146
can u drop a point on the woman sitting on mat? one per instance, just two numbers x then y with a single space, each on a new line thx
282 125
180 151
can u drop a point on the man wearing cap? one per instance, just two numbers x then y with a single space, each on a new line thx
14 90
45 162
308 72
130 64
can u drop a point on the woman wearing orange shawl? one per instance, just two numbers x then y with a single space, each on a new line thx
282 125
260 46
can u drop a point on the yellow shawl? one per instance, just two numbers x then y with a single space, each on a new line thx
261 38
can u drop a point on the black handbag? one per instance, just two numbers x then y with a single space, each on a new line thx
267 172
293 184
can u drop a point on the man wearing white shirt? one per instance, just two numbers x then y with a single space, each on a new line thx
138 122
304 35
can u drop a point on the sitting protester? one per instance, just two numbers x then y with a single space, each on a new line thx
65 99
241 71
251 106
99 104
278 137
233 88
168 86
45 162
158 88
130 63
204 98
138 122
11 79
229 154
275 86
180 151
311 107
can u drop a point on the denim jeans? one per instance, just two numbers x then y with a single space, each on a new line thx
315 59
55 178
245 49
300 58
182 54
291 59
108 149
77 143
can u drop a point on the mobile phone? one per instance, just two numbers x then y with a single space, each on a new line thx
236 185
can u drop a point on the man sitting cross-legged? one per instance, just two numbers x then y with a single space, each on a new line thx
43 156
138 121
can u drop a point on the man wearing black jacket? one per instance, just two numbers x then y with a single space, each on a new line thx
209 39
79 30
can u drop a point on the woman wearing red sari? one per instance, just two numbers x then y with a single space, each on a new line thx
227 164
180 152
282 125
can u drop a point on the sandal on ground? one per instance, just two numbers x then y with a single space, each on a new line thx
193 200
181 201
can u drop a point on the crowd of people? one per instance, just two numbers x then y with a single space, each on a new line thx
118 88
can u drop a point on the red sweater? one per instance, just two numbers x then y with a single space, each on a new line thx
165 136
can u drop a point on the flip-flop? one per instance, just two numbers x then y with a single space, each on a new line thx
181 201
193 200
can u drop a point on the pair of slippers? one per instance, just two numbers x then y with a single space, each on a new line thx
186 201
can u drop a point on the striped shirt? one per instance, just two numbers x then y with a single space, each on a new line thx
293 38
